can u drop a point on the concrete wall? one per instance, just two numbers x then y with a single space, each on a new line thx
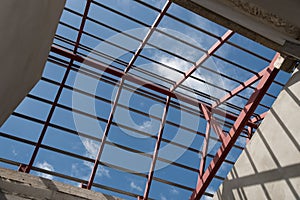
27 29
21 186
273 23
269 167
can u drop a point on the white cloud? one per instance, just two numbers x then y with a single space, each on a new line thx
184 66
88 164
103 172
91 152
174 191
78 171
74 169
45 166
145 126
162 197
175 63
91 147
14 152
135 187
191 54
181 65
150 127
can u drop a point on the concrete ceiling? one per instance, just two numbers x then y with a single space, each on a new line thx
274 24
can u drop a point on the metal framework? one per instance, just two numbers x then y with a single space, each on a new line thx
240 120
262 87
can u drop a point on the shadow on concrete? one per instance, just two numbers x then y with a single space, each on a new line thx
258 178
48 183
286 130
240 187
2 195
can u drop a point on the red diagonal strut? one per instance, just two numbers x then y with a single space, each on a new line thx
240 88
260 117
203 58
237 128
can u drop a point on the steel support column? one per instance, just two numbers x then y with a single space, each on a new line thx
156 149
117 97
237 128
27 168
207 116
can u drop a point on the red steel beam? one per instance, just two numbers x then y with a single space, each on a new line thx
142 82
237 128
198 63
117 97
249 134
27 168
260 117
240 88
207 116
254 120
156 149
211 122
148 35
104 137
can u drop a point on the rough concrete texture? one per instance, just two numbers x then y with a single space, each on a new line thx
20 186
269 167
273 14
272 23
266 18
27 29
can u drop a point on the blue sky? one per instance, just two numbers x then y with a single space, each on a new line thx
146 125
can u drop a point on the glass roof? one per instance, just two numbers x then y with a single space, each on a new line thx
115 88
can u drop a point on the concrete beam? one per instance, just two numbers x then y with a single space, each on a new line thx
27 29
20 186
271 23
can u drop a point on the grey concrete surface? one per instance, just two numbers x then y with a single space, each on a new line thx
27 29
269 167
21 186
272 23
